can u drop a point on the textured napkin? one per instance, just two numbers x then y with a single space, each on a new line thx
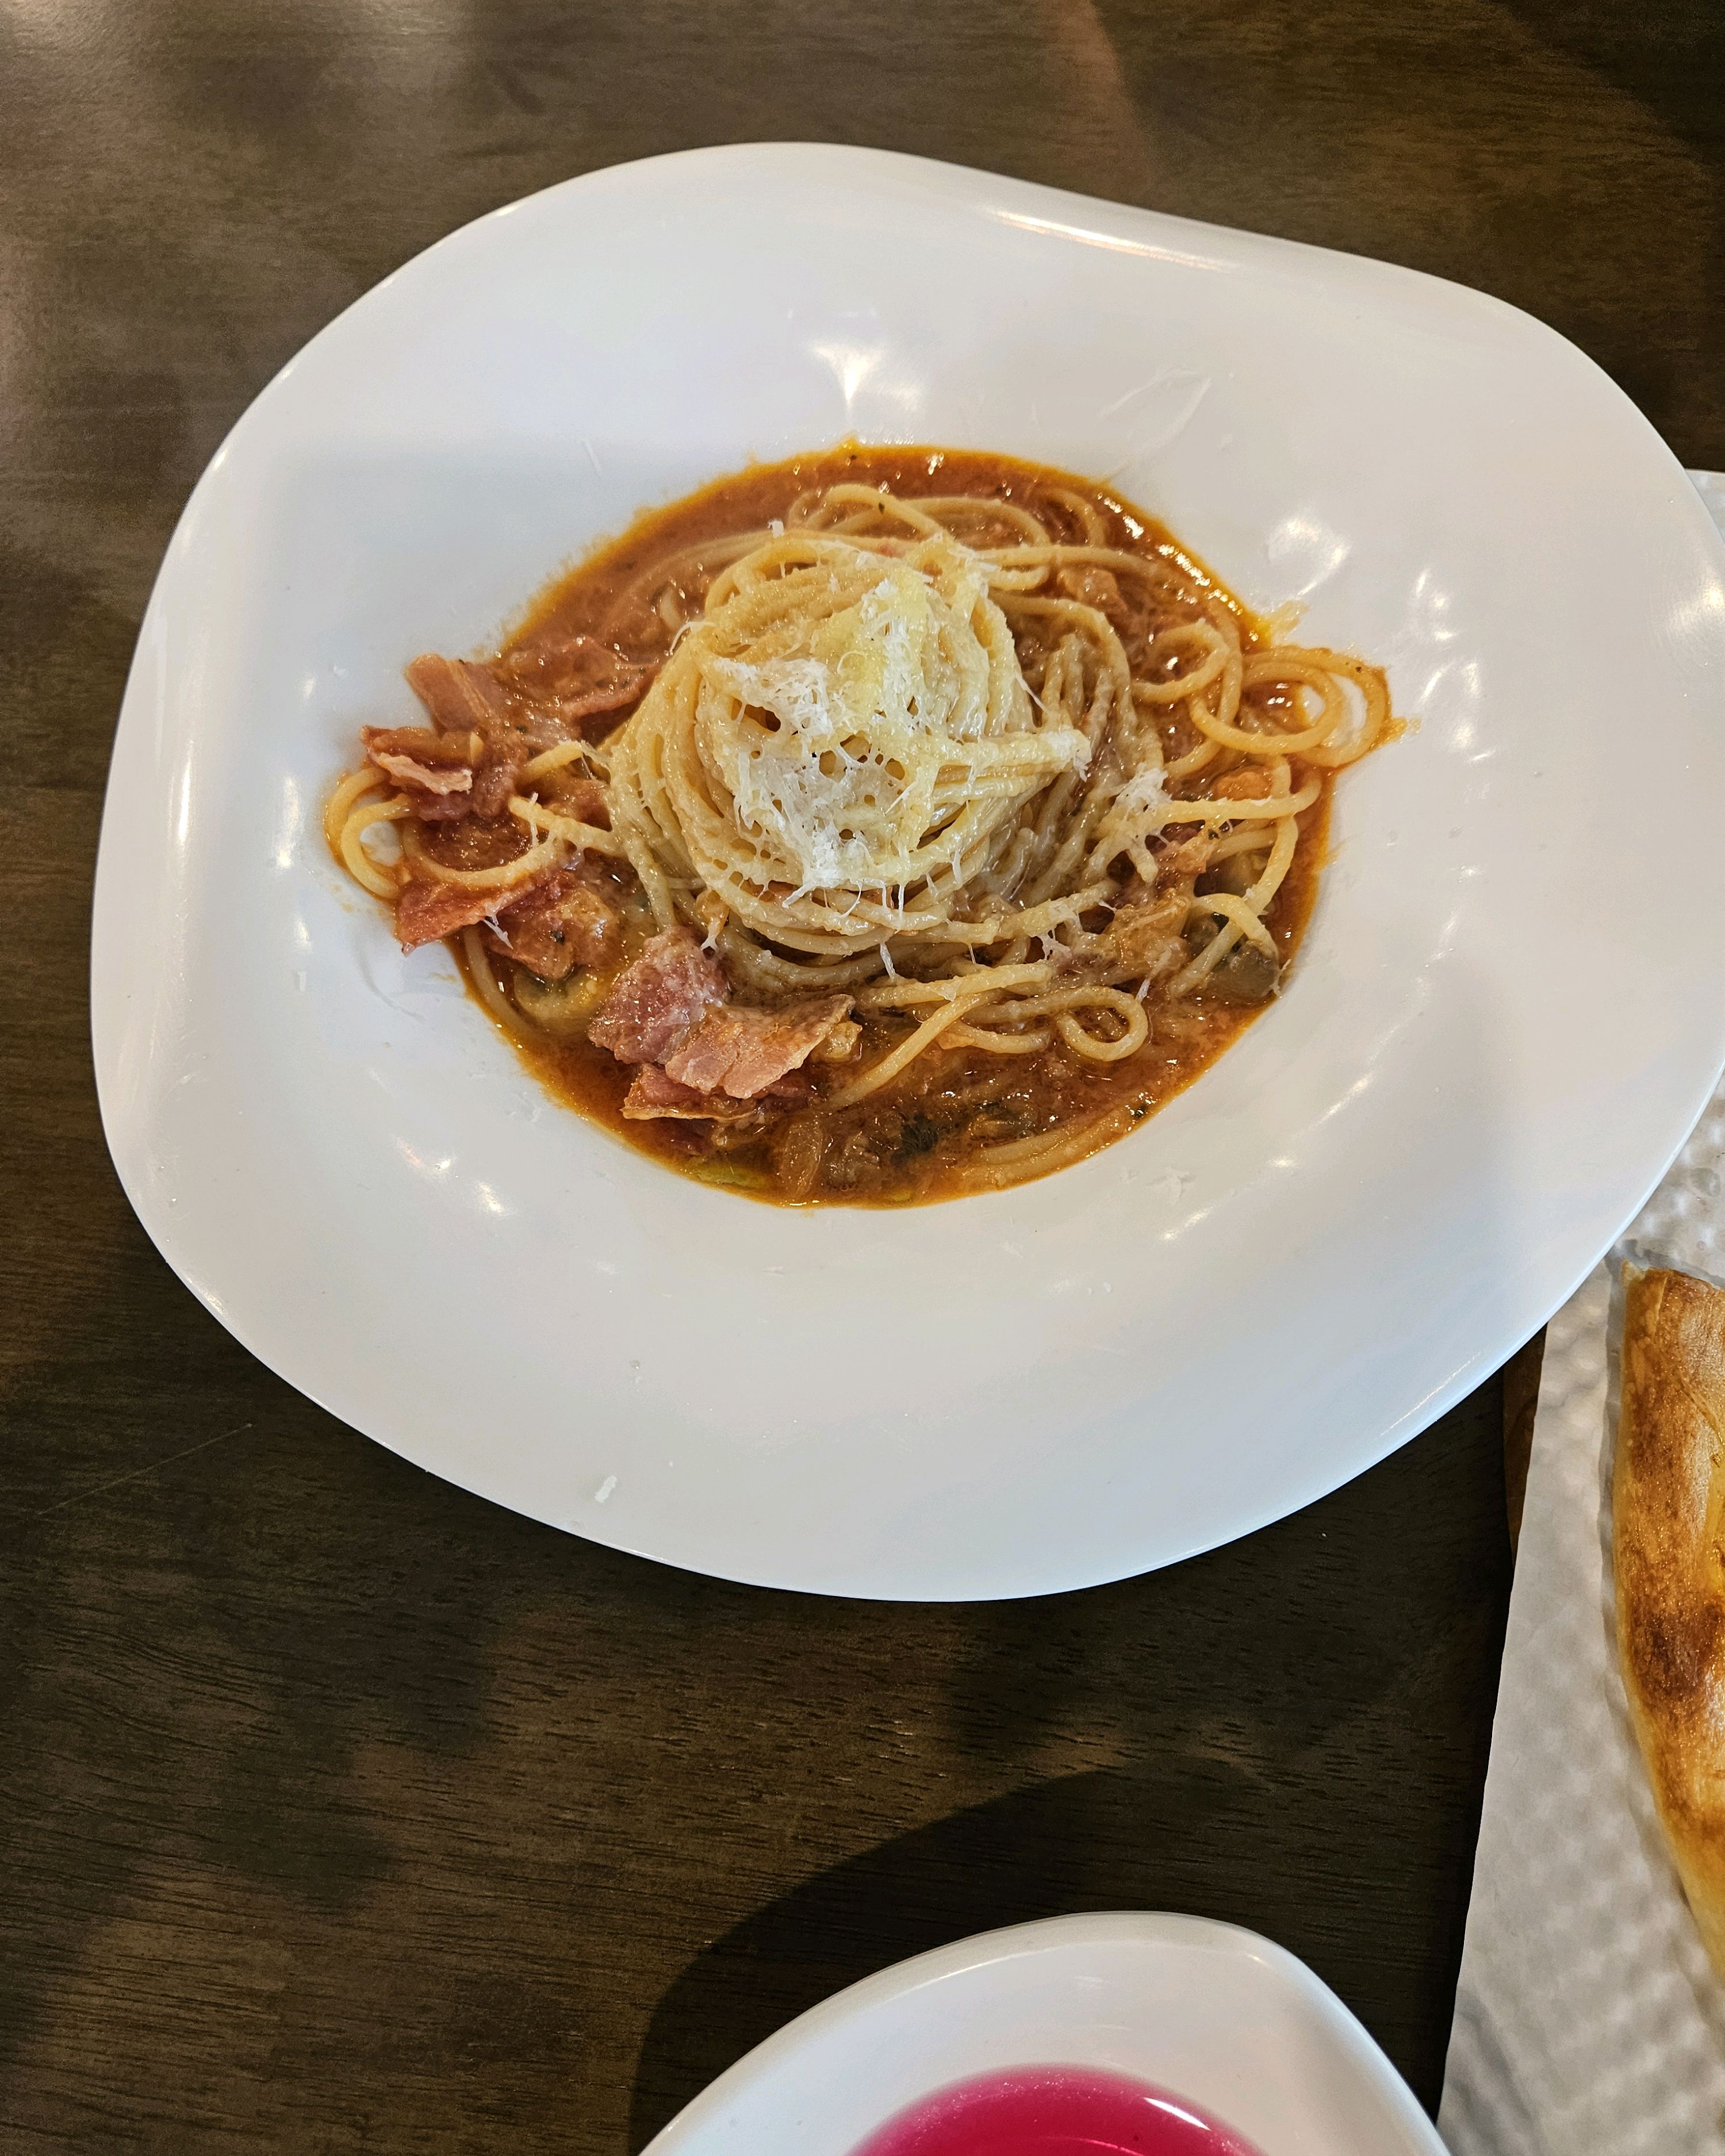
1588 2021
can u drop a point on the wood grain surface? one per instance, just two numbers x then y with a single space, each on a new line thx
340 1811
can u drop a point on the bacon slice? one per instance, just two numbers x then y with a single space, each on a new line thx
563 922
653 1094
434 770
439 756
427 911
742 1052
457 694
429 908
578 677
668 989
491 719
597 701
430 777
465 698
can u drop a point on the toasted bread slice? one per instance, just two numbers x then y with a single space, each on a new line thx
1668 1507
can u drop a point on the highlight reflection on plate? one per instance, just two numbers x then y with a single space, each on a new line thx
1487 1053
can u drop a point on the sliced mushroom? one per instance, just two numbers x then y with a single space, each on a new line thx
562 1009
1247 975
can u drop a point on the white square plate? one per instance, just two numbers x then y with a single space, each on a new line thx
1507 1012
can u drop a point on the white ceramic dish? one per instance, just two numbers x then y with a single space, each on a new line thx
1212 2013
1491 1048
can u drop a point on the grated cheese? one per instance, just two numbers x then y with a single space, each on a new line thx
855 750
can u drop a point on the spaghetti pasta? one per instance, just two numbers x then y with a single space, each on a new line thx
995 767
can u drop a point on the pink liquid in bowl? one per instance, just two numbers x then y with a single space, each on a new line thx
1053 2110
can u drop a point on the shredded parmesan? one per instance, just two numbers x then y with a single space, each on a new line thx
852 742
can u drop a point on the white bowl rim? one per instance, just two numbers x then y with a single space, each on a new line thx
1016 1943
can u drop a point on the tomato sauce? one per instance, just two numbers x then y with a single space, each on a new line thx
919 1138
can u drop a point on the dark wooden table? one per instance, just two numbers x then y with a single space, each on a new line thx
343 1812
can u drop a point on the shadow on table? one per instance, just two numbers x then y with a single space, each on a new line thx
1038 1852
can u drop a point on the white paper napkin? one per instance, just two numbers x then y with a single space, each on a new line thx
1588 2021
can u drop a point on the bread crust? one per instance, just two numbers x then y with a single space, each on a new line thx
1668 1514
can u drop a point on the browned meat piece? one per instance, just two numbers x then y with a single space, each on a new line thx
420 756
669 987
578 677
1251 782
654 1093
416 778
563 923
428 909
1147 940
435 771
741 1051
465 698
652 1096
457 694
615 696
1179 859
1144 941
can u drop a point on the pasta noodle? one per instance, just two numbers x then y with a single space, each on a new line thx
1007 783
